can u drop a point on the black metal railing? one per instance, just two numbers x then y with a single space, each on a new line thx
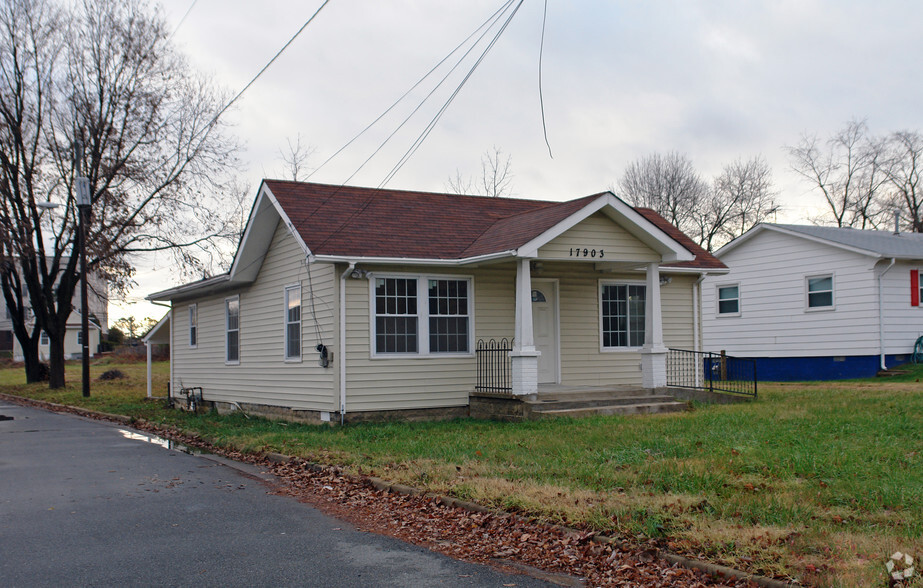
715 372
494 366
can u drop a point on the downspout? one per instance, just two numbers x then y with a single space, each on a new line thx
881 317
342 341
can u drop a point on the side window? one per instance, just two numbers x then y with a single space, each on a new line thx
232 325
820 292
293 322
729 300
193 325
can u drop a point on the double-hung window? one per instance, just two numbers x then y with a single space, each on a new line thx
293 322
820 292
729 300
421 315
232 330
193 325
43 338
622 315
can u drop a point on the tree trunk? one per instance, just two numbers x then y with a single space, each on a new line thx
56 361
34 370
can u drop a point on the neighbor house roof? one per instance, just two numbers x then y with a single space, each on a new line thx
337 223
865 242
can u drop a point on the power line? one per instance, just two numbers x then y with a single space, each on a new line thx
276 56
541 98
429 128
182 20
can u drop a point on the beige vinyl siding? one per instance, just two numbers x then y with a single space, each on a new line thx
597 232
583 363
400 383
263 376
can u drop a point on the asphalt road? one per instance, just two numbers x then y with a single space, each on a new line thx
87 503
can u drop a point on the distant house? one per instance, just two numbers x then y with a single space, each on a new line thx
812 303
98 304
349 303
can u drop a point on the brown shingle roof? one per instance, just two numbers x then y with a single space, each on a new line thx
368 222
703 259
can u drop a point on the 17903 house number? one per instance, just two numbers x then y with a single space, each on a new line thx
578 252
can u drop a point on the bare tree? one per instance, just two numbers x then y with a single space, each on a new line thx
496 177
745 190
668 184
711 214
848 170
96 90
295 158
904 170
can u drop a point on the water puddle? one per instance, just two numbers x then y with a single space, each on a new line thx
155 440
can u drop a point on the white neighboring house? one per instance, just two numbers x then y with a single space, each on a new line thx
348 303
98 302
816 303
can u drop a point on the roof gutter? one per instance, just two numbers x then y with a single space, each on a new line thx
415 260
342 340
881 317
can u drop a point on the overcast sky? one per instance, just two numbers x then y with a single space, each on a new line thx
717 80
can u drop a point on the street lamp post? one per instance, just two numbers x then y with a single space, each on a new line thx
83 210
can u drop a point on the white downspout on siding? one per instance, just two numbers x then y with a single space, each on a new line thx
881 317
342 341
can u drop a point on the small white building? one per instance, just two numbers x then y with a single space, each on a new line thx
98 303
348 303
816 303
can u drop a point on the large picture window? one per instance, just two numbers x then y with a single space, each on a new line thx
622 315
422 315
293 322
232 325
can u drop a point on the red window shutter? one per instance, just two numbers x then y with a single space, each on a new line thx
914 287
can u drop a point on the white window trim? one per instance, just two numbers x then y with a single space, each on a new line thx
807 306
422 315
718 312
227 331
285 323
193 309
43 339
599 313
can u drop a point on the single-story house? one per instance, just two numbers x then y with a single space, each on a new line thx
346 303
816 303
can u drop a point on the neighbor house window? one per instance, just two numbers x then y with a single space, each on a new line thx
622 315
820 292
43 338
422 315
232 326
80 337
193 325
293 322
729 299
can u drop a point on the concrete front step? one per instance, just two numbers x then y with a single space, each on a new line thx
545 404
620 409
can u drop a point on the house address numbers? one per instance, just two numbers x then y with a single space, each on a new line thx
586 252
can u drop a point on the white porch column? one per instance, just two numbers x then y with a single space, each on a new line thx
653 354
524 357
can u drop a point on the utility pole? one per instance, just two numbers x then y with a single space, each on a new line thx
83 209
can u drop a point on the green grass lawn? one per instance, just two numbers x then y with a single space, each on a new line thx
819 481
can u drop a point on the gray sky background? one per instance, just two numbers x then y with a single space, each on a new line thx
716 80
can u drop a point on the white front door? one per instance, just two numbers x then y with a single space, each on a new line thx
545 328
